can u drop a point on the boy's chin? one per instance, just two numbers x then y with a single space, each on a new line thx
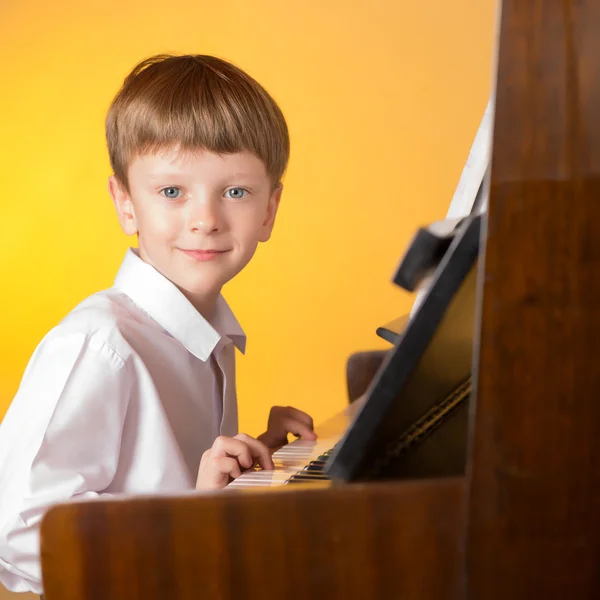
203 289
209 282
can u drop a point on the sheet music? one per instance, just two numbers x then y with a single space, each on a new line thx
474 169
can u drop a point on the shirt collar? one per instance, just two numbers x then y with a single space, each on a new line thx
167 305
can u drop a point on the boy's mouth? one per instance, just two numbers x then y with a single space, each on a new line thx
203 254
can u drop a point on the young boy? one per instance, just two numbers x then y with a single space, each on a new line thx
134 391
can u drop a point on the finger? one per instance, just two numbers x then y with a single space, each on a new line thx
226 446
258 450
226 465
299 415
299 429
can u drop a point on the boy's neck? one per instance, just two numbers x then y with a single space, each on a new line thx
206 305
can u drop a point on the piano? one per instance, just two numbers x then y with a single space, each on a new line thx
470 468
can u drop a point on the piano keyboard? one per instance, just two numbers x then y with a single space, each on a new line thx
301 461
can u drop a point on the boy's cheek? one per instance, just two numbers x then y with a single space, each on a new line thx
161 225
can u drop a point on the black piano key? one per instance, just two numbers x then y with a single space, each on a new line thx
305 476
313 471
313 468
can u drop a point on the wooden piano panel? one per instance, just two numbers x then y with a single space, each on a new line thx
355 542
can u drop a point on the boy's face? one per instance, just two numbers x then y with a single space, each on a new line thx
199 216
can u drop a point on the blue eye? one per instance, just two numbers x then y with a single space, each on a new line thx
171 193
236 193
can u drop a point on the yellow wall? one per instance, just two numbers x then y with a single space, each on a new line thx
383 99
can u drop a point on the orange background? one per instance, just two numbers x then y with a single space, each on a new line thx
383 100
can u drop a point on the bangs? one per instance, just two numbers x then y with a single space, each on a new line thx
195 103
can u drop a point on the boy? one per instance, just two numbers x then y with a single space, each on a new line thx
134 391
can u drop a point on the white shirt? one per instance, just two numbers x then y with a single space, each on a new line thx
120 397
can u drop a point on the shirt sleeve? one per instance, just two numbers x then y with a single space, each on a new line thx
59 440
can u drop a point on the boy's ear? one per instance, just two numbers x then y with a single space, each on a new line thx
124 206
267 226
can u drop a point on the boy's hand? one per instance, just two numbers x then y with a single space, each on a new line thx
228 458
284 420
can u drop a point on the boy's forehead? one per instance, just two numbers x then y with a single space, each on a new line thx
159 162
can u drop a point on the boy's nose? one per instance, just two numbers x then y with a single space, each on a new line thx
205 218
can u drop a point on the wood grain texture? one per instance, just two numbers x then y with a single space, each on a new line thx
348 542
534 499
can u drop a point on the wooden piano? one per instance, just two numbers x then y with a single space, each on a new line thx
470 467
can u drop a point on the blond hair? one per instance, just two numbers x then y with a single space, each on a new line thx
194 102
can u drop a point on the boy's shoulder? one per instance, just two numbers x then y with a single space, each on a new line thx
105 317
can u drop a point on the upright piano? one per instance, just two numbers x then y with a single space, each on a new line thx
469 468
